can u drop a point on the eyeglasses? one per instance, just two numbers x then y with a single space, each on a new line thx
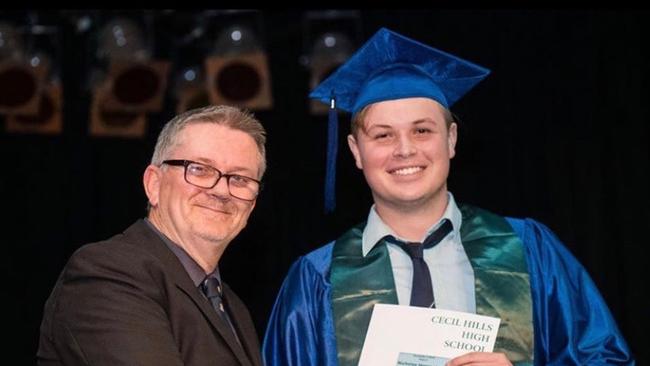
205 176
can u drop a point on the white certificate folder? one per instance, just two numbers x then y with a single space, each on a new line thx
406 336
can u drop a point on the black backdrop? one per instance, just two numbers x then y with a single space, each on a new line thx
557 132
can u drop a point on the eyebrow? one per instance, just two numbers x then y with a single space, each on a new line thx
424 120
204 160
236 169
416 122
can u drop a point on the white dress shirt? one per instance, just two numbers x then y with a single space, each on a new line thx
452 275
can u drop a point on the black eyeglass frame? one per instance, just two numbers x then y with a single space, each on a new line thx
186 163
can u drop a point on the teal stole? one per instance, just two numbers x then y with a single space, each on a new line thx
502 286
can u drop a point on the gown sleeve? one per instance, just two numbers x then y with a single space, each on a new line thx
300 329
573 325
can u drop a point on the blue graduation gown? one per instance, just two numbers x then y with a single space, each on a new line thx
572 324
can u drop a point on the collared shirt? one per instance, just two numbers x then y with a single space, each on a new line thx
197 274
452 275
194 270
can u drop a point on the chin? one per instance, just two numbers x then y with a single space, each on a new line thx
411 196
413 200
211 236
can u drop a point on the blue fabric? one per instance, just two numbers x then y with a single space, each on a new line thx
301 329
332 149
397 81
391 66
572 323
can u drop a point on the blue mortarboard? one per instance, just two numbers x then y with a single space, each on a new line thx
391 66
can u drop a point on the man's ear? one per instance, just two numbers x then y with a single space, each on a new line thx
452 138
354 148
151 181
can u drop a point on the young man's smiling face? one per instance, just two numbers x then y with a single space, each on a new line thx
404 148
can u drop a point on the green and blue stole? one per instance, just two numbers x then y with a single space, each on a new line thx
501 277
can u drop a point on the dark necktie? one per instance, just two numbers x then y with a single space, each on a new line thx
212 290
422 289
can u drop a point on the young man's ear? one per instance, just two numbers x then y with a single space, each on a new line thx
151 181
354 148
452 138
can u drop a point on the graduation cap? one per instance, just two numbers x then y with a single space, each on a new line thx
390 66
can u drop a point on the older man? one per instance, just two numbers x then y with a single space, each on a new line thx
153 295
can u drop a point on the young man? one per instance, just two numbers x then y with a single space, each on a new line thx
403 136
153 295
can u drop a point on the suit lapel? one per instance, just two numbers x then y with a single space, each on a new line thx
242 324
217 323
140 234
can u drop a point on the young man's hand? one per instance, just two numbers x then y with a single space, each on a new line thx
480 359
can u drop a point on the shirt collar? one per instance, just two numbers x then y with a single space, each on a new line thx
376 228
192 268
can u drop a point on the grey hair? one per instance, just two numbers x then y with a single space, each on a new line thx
233 117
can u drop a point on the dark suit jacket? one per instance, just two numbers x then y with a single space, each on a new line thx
129 301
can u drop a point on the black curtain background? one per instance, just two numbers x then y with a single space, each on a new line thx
558 132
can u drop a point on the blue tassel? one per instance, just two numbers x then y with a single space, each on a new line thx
332 149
